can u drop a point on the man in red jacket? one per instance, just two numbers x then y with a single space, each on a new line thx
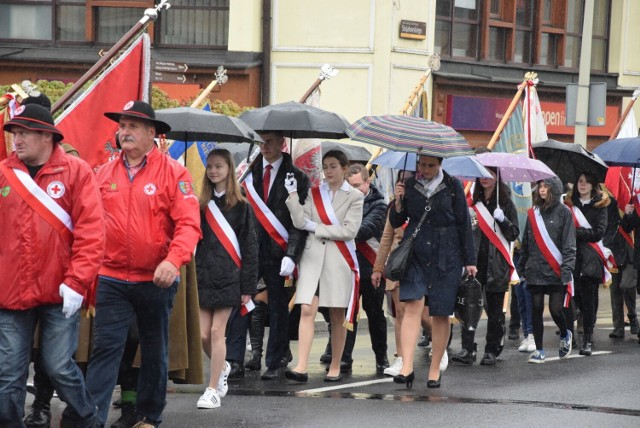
152 222
51 248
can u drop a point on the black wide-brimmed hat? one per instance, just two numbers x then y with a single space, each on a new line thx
34 117
140 110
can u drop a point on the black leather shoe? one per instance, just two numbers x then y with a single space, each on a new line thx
617 334
270 374
237 370
381 364
40 416
128 417
345 367
433 383
489 359
298 377
326 355
328 378
424 341
464 357
288 357
255 363
513 334
408 379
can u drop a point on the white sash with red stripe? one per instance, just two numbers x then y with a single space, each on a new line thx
322 202
265 216
224 232
43 204
369 249
605 255
548 248
492 231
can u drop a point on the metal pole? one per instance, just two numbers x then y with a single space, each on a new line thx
584 76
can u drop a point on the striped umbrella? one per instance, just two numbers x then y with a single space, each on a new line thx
409 134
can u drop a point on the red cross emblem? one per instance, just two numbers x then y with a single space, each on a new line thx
150 189
55 189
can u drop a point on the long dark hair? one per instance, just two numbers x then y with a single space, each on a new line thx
543 204
233 194
500 189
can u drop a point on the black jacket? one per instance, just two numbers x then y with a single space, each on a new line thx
220 281
270 251
588 263
493 269
613 239
559 223
374 216
631 222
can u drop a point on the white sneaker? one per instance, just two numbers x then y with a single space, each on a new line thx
527 344
444 362
209 400
223 387
395 368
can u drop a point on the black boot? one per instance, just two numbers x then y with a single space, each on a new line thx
634 328
466 356
40 416
128 417
256 333
326 356
586 345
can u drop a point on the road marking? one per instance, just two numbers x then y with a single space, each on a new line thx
346 385
578 355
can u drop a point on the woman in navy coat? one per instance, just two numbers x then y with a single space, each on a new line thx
442 248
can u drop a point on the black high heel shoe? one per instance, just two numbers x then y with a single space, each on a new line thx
434 383
408 379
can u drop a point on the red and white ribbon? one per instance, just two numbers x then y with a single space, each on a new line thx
605 255
224 232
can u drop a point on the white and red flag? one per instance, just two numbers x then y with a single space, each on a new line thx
307 152
83 123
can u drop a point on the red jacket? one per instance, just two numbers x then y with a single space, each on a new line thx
34 258
149 219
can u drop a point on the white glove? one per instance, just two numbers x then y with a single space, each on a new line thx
290 183
498 214
309 226
71 301
287 266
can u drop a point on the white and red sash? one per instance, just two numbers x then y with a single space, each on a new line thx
605 255
369 249
43 204
548 248
322 202
224 232
488 226
265 216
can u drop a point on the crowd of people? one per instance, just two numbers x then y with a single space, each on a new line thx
118 238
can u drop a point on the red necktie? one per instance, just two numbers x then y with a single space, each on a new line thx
266 180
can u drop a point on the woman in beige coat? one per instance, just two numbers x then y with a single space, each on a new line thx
327 272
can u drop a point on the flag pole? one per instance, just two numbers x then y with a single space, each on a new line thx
221 79
150 15
625 113
326 72
514 102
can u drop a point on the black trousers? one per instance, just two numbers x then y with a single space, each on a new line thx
621 297
585 298
372 300
493 303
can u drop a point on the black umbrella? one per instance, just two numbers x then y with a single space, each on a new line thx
192 124
239 151
296 120
354 153
568 160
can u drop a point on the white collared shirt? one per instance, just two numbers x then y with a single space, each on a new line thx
275 166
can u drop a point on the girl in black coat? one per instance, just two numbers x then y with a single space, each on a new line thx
226 264
589 269
494 271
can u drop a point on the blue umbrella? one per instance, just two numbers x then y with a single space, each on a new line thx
620 152
464 167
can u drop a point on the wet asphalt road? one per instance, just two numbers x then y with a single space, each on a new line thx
598 391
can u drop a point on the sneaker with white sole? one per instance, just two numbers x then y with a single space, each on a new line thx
565 345
395 368
528 344
444 362
209 400
537 357
223 386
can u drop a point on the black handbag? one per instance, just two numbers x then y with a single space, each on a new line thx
469 302
400 257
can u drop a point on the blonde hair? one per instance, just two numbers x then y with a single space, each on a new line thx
233 193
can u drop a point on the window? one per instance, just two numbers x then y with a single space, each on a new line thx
544 32
190 23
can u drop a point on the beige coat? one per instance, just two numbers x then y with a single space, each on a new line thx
322 265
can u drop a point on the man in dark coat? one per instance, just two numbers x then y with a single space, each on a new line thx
280 247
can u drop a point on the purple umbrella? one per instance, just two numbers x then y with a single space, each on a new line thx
513 167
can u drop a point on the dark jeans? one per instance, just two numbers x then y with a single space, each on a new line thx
59 340
514 313
493 303
236 337
372 300
278 342
555 308
525 307
621 297
117 304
